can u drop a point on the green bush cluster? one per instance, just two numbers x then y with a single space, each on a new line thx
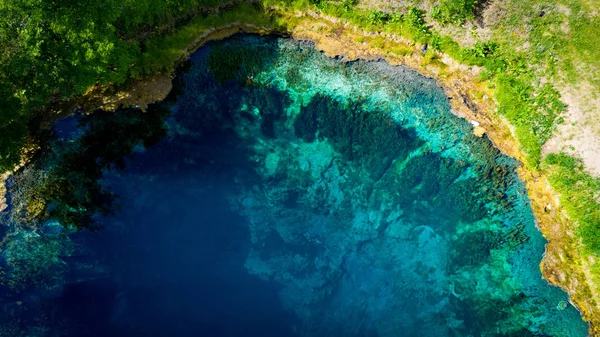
454 11
54 50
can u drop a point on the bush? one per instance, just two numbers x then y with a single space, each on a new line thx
454 11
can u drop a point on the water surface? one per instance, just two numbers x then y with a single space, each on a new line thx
290 194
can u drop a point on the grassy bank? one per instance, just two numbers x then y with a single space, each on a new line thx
52 52
533 107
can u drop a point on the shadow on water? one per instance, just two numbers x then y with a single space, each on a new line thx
171 249
175 249
240 208
178 270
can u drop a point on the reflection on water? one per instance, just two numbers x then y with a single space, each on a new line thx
291 194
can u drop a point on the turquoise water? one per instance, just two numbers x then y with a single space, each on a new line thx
293 194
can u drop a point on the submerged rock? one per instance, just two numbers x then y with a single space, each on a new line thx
355 190
377 210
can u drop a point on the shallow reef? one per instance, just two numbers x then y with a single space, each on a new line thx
280 192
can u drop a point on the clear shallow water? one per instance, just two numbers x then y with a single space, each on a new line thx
296 195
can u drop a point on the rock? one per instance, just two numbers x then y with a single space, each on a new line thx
562 305
479 131
3 204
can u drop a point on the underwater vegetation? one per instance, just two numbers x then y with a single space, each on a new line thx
359 200
70 191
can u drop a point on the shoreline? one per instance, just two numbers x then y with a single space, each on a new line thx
559 264
469 98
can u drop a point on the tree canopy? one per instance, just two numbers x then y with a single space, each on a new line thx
52 50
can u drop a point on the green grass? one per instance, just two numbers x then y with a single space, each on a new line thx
533 108
561 36
162 52
580 198
454 11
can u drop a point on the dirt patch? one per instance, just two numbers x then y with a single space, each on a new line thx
579 135
140 94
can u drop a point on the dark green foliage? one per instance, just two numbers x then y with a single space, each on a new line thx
484 49
236 62
416 19
13 129
349 4
436 42
455 11
379 17
52 50
72 193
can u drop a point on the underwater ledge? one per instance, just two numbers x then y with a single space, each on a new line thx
459 85
469 98
324 218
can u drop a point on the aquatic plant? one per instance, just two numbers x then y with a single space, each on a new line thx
34 260
71 191
362 180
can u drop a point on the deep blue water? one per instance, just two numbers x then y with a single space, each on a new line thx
178 269
290 195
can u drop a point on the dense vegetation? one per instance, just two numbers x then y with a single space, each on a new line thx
532 106
454 11
579 195
56 50
51 52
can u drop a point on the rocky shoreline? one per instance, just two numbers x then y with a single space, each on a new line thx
470 99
